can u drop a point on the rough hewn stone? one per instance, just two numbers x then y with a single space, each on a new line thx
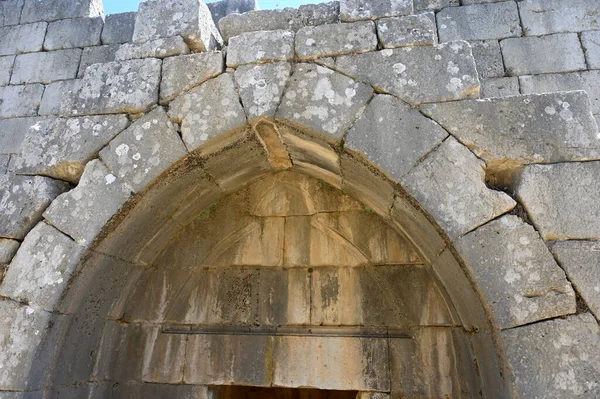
23 200
6 66
561 199
529 55
581 262
516 272
8 249
500 87
51 10
591 45
447 183
260 46
354 10
488 58
417 74
96 55
535 128
220 9
157 48
144 150
555 358
10 12
261 87
69 33
411 30
46 67
12 133
323 100
421 5
393 136
335 39
189 19
159 391
118 28
60 148
183 73
53 95
22 39
479 22
542 17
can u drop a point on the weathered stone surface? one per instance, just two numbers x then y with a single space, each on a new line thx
220 9
10 12
189 19
4 160
183 73
157 48
8 249
159 391
23 200
261 87
533 128
488 58
60 148
555 358
421 5
529 55
12 133
393 136
207 111
6 66
479 22
417 74
354 10
46 67
335 39
96 55
542 17
449 184
51 10
21 330
69 33
115 87
561 199
500 87
411 30
42 267
591 45
373 395
53 95
144 150
517 274
581 262
260 46
22 39
323 100
118 28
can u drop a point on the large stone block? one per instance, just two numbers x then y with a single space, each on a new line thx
95 55
22 39
542 17
393 136
6 66
323 100
189 19
591 45
260 46
354 10
535 128
488 58
69 33
261 87
46 67
555 358
220 9
54 93
449 184
335 39
561 199
18 101
118 28
500 87
183 73
12 133
51 10
529 55
417 74
10 12
157 48
411 30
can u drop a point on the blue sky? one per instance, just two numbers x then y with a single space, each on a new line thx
116 6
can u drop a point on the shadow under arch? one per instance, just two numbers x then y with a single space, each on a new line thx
94 339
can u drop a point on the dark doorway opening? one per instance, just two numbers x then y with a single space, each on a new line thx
235 392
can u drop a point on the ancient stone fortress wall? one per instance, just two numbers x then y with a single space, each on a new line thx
388 197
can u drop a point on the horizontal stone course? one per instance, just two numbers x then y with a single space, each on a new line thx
355 10
22 100
52 10
46 67
69 33
410 30
118 28
335 39
591 45
22 38
260 46
543 17
157 48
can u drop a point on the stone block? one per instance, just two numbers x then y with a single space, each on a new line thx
189 19
4 160
144 150
534 128
180 74
411 30
479 22
330 111
46 67
560 199
12 133
200 111
24 199
22 38
446 184
488 58
517 274
260 46
555 358
51 10
53 96
261 87
220 9
158 48
69 33
42 268
355 10
96 55
581 262
393 136
158 391
335 39
118 28
434 5
529 55
115 87
60 148
417 74
591 45
499 87
10 12
8 249
6 66
543 17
